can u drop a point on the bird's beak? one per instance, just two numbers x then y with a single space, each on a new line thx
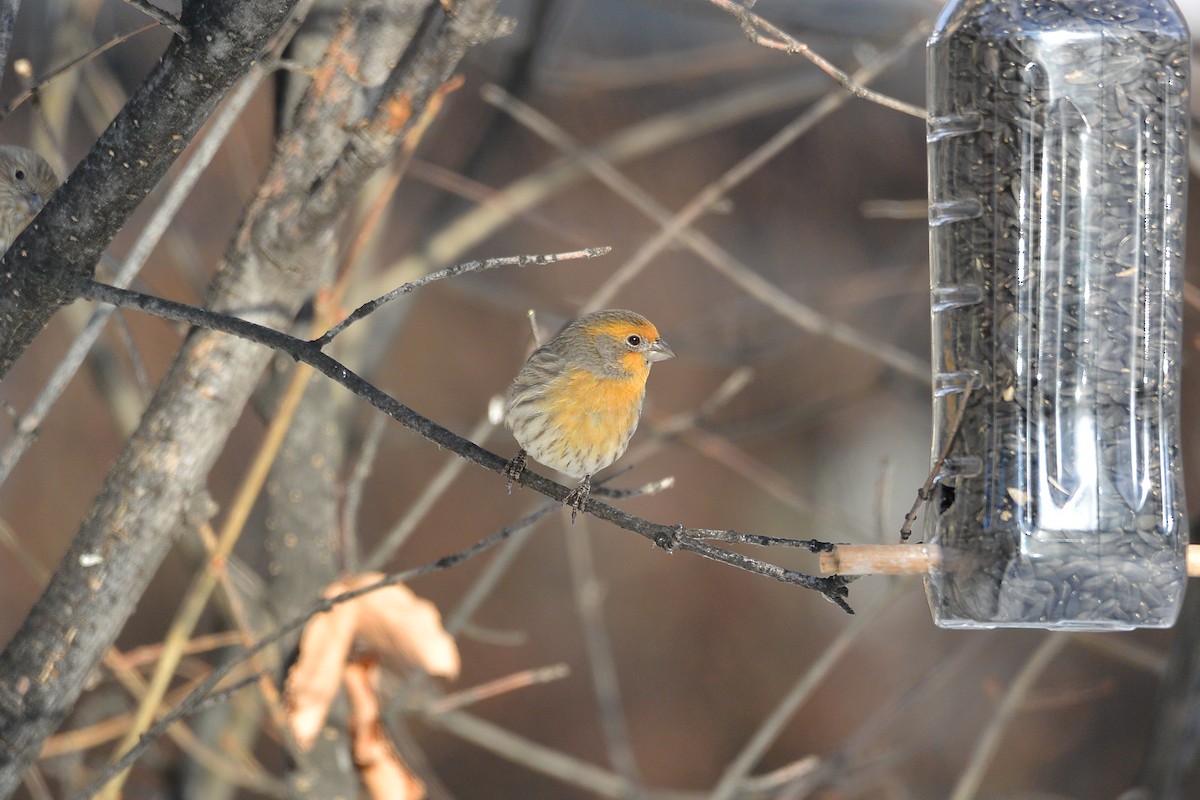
659 351
34 202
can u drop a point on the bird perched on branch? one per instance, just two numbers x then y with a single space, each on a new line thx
577 401
26 180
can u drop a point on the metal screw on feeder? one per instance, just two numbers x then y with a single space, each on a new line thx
1057 147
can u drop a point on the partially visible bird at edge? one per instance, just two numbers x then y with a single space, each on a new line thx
577 401
26 181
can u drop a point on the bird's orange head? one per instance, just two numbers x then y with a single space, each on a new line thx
614 343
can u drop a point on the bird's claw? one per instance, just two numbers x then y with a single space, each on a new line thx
513 469
667 540
577 498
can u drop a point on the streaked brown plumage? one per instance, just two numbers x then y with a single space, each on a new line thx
26 181
577 401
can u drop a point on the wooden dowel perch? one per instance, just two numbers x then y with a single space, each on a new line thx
881 559
914 559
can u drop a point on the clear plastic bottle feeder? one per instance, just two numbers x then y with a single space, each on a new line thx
1057 175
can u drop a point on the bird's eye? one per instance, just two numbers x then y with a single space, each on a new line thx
634 340
19 174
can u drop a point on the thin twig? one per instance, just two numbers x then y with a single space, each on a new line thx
30 563
450 272
509 683
989 741
768 784
646 489
162 18
925 492
54 73
419 508
491 636
533 755
29 422
137 365
458 619
761 32
187 616
718 189
588 595
803 315
883 487
148 653
739 769
668 537
733 537
204 694
354 491
649 136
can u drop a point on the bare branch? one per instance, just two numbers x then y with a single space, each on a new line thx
519 680
739 769
473 266
67 238
33 90
750 281
270 265
28 423
204 693
668 537
803 315
161 17
985 749
925 492
588 597
761 32
8 18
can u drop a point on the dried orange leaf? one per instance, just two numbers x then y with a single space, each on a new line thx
313 681
395 625
405 631
380 768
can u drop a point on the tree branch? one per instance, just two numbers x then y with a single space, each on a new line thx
8 18
207 691
66 240
148 493
761 32
668 537
161 17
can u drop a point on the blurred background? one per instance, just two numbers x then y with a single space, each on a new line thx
825 439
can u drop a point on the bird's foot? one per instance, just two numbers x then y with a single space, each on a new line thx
577 498
514 469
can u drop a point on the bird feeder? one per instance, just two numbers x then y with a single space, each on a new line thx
1057 147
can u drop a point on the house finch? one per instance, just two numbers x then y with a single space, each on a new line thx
26 180
575 404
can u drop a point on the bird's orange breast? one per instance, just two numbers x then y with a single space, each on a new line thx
595 418
585 393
